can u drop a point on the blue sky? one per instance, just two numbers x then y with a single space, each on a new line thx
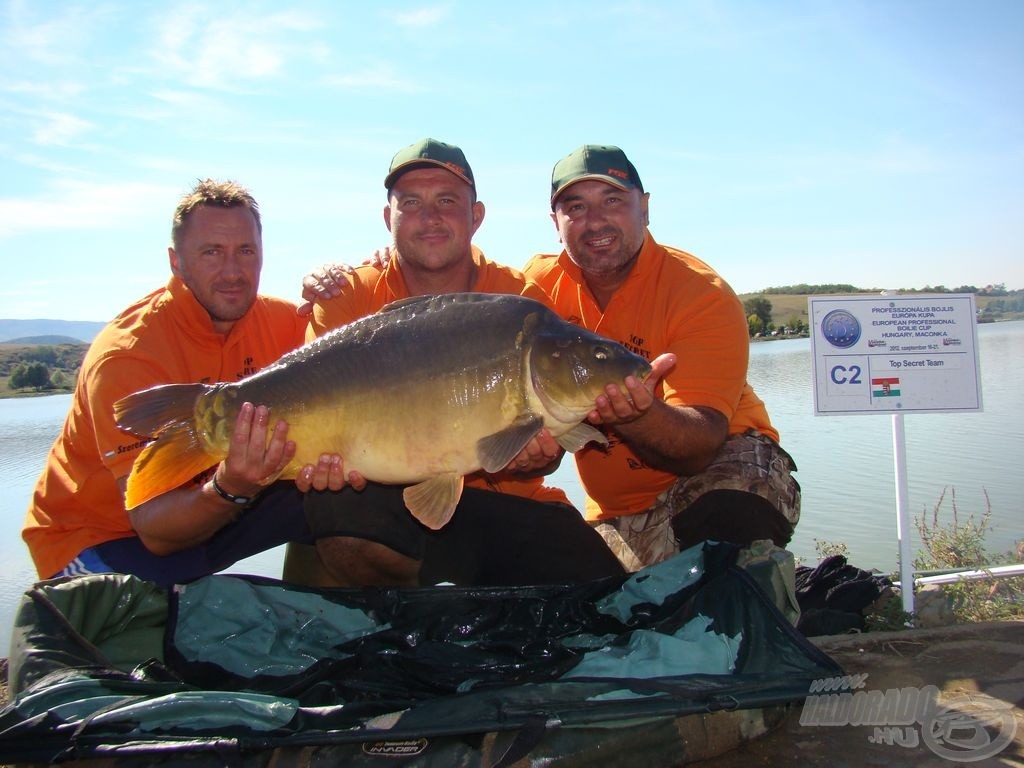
874 143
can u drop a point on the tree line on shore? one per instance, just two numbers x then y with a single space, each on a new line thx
787 315
40 368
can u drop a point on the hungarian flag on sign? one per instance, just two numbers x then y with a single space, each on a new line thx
885 387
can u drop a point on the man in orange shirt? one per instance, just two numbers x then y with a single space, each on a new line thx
700 458
508 528
207 324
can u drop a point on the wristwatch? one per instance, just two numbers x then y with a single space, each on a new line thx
242 501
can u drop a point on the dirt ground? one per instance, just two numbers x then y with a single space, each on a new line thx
959 661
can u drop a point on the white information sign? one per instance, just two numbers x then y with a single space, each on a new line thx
908 353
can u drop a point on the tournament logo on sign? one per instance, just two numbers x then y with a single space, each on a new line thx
840 328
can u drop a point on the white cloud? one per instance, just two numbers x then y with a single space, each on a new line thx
423 17
378 79
206 49
83 205
58 128
44 90
33 32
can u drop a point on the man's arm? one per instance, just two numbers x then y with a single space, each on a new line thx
192 513
677 439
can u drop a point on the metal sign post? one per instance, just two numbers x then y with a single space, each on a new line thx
899 455
895 354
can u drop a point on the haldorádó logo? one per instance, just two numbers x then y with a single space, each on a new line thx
955 730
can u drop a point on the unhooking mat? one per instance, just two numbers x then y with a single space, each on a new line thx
235 669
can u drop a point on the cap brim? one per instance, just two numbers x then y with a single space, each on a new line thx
625 186
421 162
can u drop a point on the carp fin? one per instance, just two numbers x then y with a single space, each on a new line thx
169 461
166 412
496 451
433 501
579 436
151 411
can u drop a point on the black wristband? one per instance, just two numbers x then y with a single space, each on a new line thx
242 501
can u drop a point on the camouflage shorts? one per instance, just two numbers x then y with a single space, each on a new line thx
749 462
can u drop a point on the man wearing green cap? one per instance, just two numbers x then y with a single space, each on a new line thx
697 458
508 528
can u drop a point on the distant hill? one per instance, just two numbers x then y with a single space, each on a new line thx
60 331
43 340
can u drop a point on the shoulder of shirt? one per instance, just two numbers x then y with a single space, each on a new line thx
275 304
678 259
499 278
132 326
540 264
282 316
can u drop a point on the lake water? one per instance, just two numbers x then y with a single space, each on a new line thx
845 462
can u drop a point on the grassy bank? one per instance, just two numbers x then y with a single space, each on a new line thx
61 360
786 306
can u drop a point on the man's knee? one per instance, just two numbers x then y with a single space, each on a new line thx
738 517
354 562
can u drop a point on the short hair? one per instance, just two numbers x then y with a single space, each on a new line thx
223 194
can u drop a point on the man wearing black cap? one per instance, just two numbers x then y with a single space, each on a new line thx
508 528
697 458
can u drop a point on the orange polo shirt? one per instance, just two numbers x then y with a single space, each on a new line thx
370 288
670 302
164 338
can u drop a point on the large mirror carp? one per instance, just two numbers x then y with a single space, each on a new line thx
422 393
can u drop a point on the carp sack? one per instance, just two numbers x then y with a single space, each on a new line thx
423 392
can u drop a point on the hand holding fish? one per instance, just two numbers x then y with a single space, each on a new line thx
252 462
542 452
246 456
618 407
328 474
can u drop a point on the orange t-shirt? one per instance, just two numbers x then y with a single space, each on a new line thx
670 302
370 288
164 338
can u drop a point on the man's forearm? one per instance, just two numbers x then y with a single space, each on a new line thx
682 441
182 518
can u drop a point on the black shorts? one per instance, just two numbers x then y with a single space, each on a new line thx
492 539
274 519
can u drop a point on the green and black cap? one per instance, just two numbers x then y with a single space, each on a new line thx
594 161
429 152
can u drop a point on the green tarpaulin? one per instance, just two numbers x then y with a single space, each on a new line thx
233 668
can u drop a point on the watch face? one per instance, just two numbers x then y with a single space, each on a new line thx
840 328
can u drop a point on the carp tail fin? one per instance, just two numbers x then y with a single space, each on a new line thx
151 411
168 414
172 459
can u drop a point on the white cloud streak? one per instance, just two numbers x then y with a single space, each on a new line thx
82 205
422 17
207 50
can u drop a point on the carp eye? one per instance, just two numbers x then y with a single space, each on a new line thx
601 353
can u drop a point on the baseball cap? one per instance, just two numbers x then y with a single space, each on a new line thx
594 161
428 152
